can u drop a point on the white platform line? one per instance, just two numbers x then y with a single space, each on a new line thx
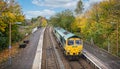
38 56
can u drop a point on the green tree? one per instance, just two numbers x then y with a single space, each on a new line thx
63 19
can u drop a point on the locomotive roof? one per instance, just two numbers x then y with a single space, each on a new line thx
65 34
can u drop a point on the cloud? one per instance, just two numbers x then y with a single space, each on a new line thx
46 13
89 3
67 4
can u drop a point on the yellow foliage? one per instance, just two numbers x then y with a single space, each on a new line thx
20 18
2 29
44 22
11 15
79 23
74 25
2 26
82 22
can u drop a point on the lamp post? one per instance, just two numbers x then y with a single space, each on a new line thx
10 43
10 59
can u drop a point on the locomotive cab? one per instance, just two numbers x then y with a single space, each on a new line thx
74 47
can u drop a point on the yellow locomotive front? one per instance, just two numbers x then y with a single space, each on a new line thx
73 47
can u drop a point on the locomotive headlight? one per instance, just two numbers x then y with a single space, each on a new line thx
79 52
68 52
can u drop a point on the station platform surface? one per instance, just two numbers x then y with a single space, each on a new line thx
101 58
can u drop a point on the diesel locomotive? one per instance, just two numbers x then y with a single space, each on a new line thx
71 44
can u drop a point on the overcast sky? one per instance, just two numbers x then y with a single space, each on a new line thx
47 8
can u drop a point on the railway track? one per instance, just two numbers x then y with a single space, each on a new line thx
50 57
80 64
77 64
51 62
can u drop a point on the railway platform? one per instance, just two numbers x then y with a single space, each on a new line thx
101 58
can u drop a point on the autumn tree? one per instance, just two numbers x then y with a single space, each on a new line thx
9 13
102 24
